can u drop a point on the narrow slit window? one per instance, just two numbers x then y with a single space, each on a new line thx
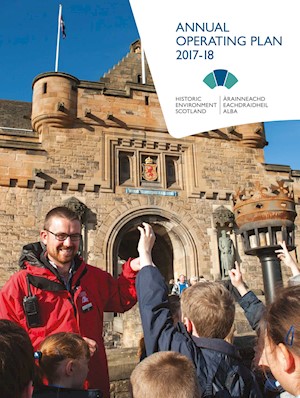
171 170
124 167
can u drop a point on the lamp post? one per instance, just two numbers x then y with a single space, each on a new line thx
263 218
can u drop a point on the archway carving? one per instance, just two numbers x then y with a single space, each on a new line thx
170 230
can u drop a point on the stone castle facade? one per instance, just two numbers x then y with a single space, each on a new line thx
103 148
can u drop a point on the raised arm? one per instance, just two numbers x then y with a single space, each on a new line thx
237 281
284 255
159 331
250 303
145 245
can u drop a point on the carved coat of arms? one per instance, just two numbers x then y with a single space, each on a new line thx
149 169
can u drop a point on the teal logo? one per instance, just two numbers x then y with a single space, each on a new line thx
220 77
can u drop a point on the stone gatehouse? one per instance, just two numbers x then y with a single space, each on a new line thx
103 147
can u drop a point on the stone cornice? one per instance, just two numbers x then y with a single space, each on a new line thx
23 145
103 87
91 187
55 74
277 168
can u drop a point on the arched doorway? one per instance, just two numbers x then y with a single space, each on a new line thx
175 252
162 254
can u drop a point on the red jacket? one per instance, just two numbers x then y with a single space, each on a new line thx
78 310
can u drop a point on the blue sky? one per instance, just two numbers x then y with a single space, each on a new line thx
99 33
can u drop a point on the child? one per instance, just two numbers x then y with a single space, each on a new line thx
207 313
64 363
254 310
251 305
165 374
249 302
281 339
16 361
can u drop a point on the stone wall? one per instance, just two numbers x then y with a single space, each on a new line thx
121 363
22 212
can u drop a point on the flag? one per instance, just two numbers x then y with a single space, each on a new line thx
63 28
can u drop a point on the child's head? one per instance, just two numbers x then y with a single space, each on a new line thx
64 360
16 361
281 315
210 307
193 280
165 374
281 337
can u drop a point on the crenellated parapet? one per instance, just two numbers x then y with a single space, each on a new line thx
251 135
54 100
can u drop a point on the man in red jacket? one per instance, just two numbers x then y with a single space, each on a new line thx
56 291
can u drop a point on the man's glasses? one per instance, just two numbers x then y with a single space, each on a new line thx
61 236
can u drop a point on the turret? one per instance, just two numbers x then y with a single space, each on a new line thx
54 100
253 135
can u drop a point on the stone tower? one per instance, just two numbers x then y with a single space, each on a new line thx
54 101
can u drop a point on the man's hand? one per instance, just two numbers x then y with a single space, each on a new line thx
237 281
145 245
93 346
284 255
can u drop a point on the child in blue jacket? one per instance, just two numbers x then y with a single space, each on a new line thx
207 317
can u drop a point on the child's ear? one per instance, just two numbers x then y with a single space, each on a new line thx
286 358
188 324
69 367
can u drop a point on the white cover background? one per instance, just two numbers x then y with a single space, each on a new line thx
262 71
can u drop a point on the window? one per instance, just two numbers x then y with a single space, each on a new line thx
172 170
125 159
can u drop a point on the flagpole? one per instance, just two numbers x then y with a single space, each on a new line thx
58 37
143 65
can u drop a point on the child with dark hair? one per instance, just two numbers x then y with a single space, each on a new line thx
16 361
281 339
254 310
